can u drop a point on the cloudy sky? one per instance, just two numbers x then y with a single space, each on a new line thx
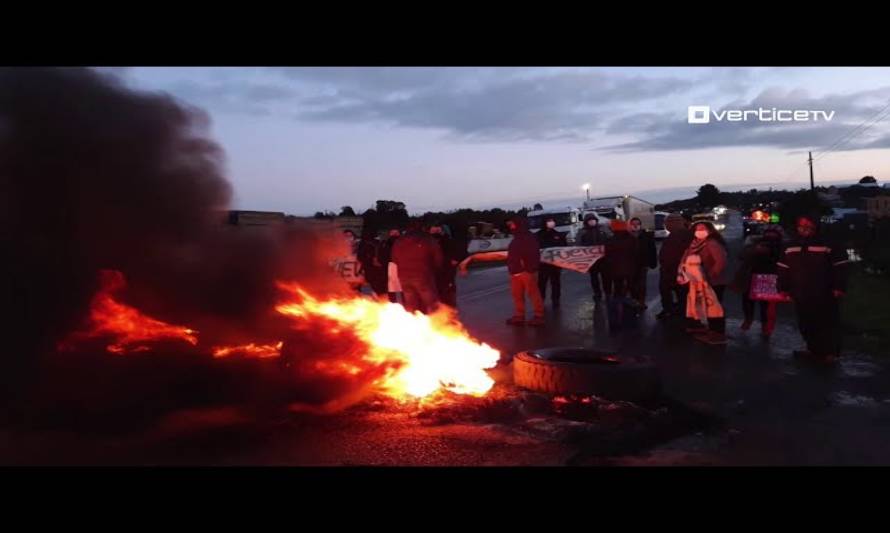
301 140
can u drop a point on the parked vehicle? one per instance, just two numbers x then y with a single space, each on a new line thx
623 208
660 231
568 220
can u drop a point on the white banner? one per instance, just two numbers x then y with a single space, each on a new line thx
349 269
577 258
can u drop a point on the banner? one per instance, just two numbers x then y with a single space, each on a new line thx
577 258
764 288
349 269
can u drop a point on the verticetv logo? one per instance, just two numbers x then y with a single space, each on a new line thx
701 114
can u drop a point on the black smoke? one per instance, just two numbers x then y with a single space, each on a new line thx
95 175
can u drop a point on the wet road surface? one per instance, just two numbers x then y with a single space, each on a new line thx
764 407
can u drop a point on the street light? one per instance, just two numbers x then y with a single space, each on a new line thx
586 188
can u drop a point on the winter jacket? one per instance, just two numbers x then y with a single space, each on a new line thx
621 256
386 249
759 257
810 270
646 250
418 257
593 236
524 253
713 261
701 299
550 238
672 249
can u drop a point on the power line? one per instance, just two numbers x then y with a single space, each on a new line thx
858 130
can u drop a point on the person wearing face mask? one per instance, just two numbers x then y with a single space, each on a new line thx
814 274
703 270
646 259
593 235
550 238
523 260
759 257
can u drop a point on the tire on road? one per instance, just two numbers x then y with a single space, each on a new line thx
583 371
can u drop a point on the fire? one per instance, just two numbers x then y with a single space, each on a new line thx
130 328
425 353
261 351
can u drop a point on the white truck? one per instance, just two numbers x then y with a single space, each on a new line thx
622 208
568 220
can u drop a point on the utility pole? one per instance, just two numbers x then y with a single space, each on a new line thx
812 185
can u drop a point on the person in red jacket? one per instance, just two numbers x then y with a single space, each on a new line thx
523 261
418 257
814 272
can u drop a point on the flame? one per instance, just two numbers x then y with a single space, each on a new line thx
261 351
130 328
423 354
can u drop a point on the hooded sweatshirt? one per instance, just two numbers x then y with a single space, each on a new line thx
523 254
674 246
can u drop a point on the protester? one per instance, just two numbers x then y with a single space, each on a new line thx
523 260
593 235
548 237
452 255
368 255
759 257
418 257
621 267
672 249
351 241
703 269
621 259
646 259
814 274
393 287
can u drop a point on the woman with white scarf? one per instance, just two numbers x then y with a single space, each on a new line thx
703 270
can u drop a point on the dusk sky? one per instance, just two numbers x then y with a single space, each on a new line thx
301 140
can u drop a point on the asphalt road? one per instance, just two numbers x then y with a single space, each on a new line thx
769 409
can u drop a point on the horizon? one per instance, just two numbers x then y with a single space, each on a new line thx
301 140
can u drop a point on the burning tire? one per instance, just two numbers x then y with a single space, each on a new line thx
585 371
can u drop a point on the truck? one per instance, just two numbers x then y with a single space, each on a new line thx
622 208
568 220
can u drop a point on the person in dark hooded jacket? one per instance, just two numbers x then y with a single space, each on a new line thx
593 235
368 255
814 273
621 259
392 284
759 257
548 237
672 249
646 258
452 256
523 261
418 257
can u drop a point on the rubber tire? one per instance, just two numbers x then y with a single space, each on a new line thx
631 381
